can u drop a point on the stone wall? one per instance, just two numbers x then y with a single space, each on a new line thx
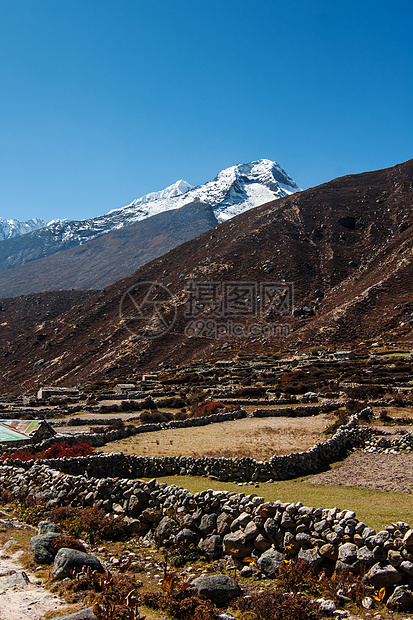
225 523
317 458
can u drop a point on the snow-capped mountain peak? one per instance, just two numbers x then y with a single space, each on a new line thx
15 228
234 190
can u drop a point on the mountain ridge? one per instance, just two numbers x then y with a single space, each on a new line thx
346 245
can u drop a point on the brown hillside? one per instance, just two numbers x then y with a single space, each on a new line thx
347 246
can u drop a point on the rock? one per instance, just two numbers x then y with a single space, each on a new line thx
269 562
327 606
19 579
401 599
212 546
134 506
408 539
83 614
310 556
235 544
187 537
220 589
382 575
271 529
365 555
261 543
407 567
9 544
328 551
394 558
250 531
347 553
208 524
247 571
40 547
67 560
223 524
165 528
132 526
45 527
367 602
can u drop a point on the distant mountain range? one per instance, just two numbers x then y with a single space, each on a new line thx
346 245
95 252
15 228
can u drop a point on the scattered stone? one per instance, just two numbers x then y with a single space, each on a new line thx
401 599
383 575
220 589
269 562
67 560
40 547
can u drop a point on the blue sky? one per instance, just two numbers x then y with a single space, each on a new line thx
103 101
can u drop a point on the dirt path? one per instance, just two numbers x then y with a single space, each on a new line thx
20 600
380 472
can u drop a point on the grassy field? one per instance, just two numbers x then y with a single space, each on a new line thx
375 508
259 438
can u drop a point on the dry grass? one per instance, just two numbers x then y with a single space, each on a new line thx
259 438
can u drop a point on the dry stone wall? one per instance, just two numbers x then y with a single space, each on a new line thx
317 458
226 523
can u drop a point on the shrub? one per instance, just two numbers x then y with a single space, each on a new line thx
91 523
65 541
19 454
274 605
152 417
206 408
63 450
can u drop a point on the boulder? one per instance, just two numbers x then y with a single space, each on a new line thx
208 524
234 544
269 562
401 599
45 527
211 546
220 589
40 547
382 575
67 560
347 553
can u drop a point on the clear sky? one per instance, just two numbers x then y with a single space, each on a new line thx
103 101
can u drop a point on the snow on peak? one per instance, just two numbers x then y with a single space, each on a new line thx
234 190
15 228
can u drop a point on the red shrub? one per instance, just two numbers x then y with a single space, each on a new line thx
20 454
61 450
206 408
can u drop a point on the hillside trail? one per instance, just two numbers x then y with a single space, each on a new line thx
22 595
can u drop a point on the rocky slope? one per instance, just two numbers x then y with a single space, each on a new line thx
346 245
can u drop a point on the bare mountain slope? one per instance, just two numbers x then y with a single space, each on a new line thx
347 246
111 256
